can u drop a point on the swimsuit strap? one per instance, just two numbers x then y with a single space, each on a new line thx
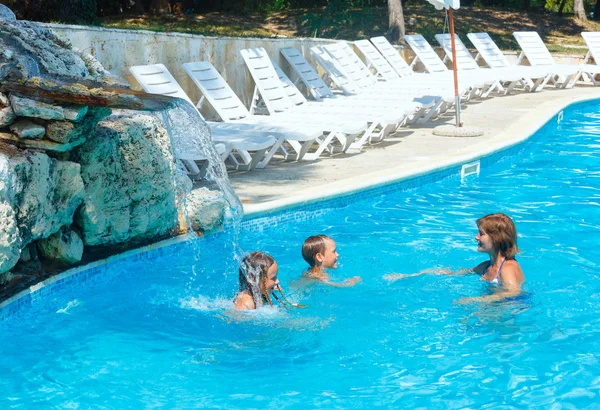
500 268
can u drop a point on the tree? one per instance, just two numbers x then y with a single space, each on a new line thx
396 31
579 10
561 7
597 11
160 6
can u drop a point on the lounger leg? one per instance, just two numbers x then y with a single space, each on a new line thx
430 114
567 82
269 154
322 146
254 160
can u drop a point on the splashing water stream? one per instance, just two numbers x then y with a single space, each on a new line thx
191 140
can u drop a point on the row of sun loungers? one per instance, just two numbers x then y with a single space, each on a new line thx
371 96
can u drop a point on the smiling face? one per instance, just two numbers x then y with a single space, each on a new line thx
272 279
330 256
484 242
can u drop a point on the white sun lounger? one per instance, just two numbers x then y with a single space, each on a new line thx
592 40
298 135
425 85
343 121
434 64
156 79
351 75
395 60
494 58
380 125
509 77
564 75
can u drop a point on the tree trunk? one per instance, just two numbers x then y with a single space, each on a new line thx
579 10
396 21
562 6
160 7
597 10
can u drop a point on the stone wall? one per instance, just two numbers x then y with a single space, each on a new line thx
118 50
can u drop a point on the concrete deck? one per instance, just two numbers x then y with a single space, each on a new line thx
413 150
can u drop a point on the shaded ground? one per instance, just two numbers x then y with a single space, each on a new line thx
422 18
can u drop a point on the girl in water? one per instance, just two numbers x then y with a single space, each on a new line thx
258 280
496 237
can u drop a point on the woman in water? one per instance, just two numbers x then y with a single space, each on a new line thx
497 237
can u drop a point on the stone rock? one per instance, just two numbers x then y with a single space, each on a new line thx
65 132
75 113
64 246
10 240
25 255
4 102
25 107
127 169
7 116
44 192
45 145
40 53
6 14
61 131
28 130
205 209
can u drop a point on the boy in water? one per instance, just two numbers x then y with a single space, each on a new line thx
320 252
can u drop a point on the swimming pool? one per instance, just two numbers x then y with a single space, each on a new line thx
161 333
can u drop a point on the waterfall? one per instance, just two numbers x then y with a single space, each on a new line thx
191 140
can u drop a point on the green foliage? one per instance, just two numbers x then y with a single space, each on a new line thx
554 5
67 11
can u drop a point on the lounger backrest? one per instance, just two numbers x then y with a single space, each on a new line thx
366 76
392 56
289 87
315 85
348 66
464 59
592 39
534 48
156 79
216 91
374 57
488 50
334 71
266 80
425 53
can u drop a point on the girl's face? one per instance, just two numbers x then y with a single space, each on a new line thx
272 280
484 242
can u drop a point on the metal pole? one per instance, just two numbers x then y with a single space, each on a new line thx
456 96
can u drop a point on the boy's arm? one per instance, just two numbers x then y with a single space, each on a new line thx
345 284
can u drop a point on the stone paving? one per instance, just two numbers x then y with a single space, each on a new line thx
506 120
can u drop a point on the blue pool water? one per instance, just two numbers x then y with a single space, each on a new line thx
162 333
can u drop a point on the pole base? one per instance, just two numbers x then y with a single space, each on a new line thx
454 131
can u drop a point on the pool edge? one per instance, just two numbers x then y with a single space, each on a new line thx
521 130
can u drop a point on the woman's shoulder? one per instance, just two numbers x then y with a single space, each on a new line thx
511 271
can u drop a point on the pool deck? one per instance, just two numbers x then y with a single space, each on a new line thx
413 150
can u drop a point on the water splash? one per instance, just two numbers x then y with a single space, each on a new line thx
191 140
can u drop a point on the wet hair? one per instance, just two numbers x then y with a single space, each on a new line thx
313 245
503 233
254 275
